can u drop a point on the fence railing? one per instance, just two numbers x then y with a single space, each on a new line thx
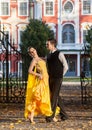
12 81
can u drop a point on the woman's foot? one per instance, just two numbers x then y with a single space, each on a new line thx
31 120
30 117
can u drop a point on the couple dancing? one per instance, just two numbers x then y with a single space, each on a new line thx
42 94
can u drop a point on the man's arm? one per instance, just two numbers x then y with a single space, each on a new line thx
64 62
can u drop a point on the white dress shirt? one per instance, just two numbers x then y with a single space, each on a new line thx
64 62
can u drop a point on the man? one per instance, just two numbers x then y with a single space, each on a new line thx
57 67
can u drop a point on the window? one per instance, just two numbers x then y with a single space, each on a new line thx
49 8
84 36
0 66
52 27
72 65
87 6
6 38
68 7
68 34
20 36
71 60
4 69
1 72
20 69
23 8
21 29
20 32
4 7
86 65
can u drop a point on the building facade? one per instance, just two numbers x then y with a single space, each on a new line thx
14 16
67 18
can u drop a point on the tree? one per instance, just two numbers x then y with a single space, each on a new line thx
35 35
89 46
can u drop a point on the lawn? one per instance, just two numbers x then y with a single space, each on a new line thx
74 79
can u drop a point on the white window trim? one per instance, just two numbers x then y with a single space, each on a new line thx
22 1
90 6
45 7
5 1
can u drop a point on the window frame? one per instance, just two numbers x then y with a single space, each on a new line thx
4 67
8 8
20 65
19 11
7 31
83 35
72 7
53 11
69 31
84 10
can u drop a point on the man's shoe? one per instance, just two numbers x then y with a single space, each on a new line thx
63 118
48 119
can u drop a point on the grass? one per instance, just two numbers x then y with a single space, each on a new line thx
71 79
74 79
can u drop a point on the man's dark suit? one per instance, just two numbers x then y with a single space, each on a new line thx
55 71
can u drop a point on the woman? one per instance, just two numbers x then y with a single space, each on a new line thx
37 94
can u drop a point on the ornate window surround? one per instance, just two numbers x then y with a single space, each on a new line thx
64 6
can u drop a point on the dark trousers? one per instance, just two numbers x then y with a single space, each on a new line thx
55 85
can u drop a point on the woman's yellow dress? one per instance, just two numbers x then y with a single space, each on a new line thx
37 93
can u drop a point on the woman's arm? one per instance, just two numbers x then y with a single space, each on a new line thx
31 69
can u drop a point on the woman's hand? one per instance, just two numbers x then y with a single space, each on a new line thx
40 76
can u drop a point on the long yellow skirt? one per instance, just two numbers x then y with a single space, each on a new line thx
37 97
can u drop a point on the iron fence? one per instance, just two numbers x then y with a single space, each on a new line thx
12 79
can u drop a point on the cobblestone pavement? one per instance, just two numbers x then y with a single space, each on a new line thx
80 116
